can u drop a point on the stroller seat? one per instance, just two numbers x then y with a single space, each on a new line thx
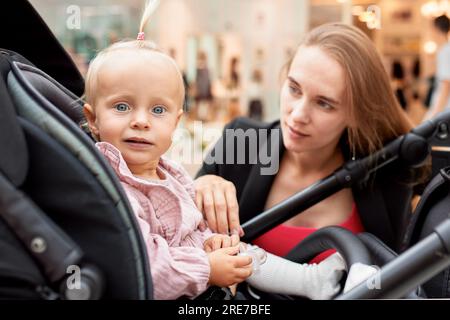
61 205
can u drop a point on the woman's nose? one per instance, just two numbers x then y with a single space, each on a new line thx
301 111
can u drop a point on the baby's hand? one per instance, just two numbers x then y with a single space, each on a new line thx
220 241
227 268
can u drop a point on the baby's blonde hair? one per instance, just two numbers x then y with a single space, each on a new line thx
97 62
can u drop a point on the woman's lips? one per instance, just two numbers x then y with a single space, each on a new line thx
295 133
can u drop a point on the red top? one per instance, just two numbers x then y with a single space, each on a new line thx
281 239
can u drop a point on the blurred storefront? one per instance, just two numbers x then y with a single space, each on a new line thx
259 34
244 44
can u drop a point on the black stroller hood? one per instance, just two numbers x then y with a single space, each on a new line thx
24 31
12 139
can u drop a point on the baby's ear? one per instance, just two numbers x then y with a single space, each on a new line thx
90 117
180 113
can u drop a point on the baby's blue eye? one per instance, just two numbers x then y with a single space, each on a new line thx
122 107
158 110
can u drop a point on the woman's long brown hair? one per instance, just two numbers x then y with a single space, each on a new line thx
374 112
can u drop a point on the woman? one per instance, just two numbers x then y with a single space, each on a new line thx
336 104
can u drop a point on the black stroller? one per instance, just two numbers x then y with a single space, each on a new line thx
54 184
67 230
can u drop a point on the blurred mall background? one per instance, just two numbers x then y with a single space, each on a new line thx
232 51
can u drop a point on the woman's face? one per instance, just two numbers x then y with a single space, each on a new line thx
314 111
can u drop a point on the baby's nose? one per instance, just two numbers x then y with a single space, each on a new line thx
140 122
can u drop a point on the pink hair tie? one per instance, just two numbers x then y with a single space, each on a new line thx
141 36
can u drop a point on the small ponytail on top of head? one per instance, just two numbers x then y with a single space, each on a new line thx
150 8
139 44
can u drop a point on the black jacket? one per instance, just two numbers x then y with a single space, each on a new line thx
383 201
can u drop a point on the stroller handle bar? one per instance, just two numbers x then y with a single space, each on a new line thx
412 149
413 267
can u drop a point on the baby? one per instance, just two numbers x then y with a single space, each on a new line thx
134 98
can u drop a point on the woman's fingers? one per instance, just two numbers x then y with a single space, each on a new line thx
208 208
232 209
199 203
216 198
220 207
199 200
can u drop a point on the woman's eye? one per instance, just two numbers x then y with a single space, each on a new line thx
122 107
158 110
325 105
294 90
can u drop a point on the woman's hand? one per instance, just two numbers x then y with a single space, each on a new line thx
216 199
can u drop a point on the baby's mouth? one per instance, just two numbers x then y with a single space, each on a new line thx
138 141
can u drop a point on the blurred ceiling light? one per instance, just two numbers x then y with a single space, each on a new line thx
365 16
357 10
435 8
430 47
370 16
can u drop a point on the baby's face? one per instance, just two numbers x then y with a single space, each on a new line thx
138 104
